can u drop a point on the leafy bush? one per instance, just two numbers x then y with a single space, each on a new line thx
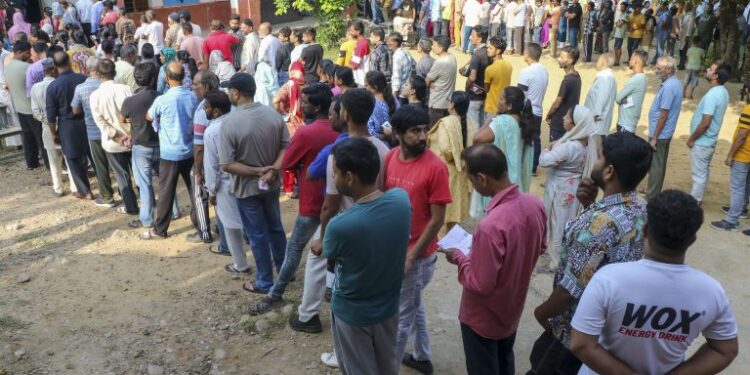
329 13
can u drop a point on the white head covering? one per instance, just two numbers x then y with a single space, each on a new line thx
585 128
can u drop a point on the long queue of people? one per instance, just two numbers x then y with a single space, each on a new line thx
383 153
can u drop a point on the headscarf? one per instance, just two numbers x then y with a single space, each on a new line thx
169 55
296 81
19 25
585 128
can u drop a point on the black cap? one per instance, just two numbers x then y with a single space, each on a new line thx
242 82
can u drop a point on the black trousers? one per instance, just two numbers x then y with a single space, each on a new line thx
588 47
31 135
169 173
537 141
488 357
78 169
121 164
199 215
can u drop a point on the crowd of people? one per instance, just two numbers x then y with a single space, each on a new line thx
383 153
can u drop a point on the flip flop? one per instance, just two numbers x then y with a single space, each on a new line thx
253 288
232 269
265 305
150 235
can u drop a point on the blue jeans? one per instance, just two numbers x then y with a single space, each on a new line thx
661 45
283 78
573 37
145 162
739 187
377 13
304 229
537 35
411 321
261 221
466 33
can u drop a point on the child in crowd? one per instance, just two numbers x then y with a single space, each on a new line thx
695 55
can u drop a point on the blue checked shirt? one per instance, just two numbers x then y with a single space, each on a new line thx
81 99
403 66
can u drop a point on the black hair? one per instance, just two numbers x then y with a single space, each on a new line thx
106 69
235 17
320 95
460 100
443 41
298 34
218 99
697 40
486 159
521 106
329 68
499 43
108 46
358 156
61 59
407 117
674 218
249 22
311 32
378 32
359 104
178 74
40 47
210 80
21 46
397 38
572 52
43 36
128 49
419 85
184 56
285 31
187 27
534 51
79 37
723 72
54 49
185 15
248 92
147 51
481 32
376 80
630 155
359 26
145 74
346 75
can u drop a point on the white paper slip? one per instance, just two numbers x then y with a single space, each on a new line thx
627 102
457 238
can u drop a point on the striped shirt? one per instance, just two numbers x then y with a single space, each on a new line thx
200 123
403 66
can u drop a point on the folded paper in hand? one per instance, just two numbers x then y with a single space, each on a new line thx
457 238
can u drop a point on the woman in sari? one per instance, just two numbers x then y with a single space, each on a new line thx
288 103
222 68
513 132
267 82
447 139
19 25
568 161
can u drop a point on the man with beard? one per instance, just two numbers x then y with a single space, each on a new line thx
608 231
424 176
304 147
569 94
234 29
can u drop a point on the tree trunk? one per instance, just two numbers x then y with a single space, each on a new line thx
728 45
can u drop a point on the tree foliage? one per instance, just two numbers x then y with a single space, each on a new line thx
329 13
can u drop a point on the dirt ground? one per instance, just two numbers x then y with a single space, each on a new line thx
100 301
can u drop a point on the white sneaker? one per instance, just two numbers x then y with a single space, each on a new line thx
329 359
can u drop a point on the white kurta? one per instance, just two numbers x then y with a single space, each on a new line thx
601 100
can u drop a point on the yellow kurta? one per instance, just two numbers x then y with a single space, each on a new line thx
445 140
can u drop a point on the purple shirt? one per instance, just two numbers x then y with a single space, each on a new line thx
34 74
495 275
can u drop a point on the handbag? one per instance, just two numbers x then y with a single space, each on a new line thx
550 357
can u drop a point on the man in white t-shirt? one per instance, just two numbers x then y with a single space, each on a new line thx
533 81
154 32
510 24
641 317
471 18
520 14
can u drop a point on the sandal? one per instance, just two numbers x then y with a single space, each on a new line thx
252 288
135 224
124 211
265 305
150 235
232 269
215 250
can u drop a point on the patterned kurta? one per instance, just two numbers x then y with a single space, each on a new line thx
609 231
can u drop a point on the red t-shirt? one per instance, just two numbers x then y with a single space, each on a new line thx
222 41
304 147
425 179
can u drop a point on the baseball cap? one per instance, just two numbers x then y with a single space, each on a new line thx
241 82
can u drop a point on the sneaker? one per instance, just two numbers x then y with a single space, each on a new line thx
725 225
423 367
743 215
196 238
746 232
311 326
329 359
99 202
